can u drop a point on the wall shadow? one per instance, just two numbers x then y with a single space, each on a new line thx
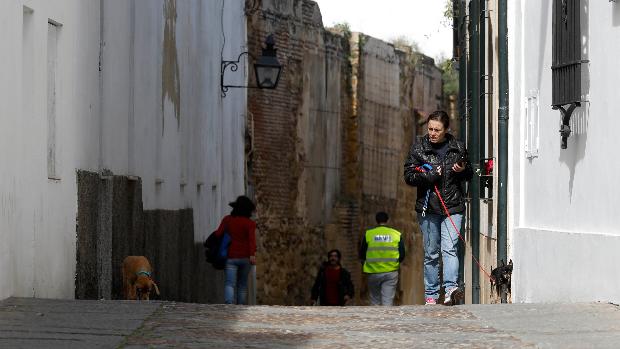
112 224
577 142
615 14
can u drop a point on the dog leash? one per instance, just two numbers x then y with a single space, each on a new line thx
428 167
443 204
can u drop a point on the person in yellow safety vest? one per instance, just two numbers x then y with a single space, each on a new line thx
382 250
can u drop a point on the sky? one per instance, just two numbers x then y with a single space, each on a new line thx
421 21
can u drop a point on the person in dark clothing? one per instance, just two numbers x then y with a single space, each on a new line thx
438 160
332 286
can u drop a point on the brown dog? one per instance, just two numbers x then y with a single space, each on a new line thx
137 281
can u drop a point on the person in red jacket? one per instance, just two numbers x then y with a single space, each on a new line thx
242 249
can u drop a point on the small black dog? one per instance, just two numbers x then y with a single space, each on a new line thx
501 276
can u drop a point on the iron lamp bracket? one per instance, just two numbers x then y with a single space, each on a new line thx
233 66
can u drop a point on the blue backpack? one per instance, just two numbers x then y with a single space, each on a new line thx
216 249
222 252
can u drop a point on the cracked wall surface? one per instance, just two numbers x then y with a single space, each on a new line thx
133 87
327 148
296 159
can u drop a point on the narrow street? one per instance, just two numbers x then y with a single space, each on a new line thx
40 323
282 153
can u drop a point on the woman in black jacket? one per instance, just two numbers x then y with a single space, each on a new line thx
438 160
332 285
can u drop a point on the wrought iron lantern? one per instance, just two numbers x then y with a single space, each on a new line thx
267 68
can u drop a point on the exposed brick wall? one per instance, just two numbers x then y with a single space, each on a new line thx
296 157
327 149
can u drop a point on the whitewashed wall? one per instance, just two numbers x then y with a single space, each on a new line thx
195 152
118 122
563 203
37 219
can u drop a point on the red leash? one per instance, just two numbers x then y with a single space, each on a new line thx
443 204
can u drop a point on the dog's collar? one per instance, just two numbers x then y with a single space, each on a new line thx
144 272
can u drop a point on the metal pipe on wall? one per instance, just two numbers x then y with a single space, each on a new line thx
481 140
460 29
502 209
474 147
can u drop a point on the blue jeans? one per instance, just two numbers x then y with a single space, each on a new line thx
237 271
437 230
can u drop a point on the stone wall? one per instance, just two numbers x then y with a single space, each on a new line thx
386 100
327 148
296 156
427 92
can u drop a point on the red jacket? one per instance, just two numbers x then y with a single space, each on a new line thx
242 231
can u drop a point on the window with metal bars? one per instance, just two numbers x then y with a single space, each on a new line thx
567 60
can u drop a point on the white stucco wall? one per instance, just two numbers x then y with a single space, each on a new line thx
113 123
563 236
197 155
37 219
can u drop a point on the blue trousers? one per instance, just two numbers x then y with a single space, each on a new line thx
438 232
237 271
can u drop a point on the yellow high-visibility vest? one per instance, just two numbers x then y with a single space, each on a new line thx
382 254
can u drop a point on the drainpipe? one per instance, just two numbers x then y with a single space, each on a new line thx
502 209
461 30
100 121
474 148
482 125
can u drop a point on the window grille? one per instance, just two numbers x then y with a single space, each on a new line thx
567 61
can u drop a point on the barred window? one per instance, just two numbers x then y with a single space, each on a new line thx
567 60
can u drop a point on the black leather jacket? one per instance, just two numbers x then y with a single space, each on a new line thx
449 183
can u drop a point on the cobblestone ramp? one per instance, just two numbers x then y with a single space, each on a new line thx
46 323
66 324
219 326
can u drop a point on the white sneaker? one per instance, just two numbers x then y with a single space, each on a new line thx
452 295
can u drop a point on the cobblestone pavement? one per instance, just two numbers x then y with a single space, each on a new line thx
46 323
31 323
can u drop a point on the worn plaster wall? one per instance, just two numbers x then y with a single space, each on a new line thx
123 87
167 125
48 106
164 117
